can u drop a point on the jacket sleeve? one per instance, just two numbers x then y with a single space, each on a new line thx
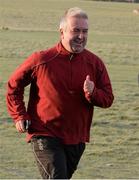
22 77
102 95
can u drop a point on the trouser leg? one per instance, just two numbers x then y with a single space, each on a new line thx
50 157
73 155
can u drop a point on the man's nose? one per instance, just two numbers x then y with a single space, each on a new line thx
81 35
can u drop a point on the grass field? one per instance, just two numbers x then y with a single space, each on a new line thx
27 26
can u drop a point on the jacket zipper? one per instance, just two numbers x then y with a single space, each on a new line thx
70 84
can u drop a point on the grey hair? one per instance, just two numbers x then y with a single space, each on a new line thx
72 12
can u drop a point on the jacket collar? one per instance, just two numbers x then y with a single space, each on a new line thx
61 50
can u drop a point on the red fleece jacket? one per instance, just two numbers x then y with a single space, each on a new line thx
57 104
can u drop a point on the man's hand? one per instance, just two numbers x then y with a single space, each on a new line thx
88 85
22 125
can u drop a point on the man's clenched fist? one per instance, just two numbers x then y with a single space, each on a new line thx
88 85
22 125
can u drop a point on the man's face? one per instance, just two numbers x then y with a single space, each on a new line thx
74 35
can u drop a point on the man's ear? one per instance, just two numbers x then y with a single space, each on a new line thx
62 33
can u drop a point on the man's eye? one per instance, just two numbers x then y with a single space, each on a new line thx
85 31
76 30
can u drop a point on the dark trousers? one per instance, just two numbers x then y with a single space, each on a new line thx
54 159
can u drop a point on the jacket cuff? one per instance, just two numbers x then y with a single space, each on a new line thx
22 117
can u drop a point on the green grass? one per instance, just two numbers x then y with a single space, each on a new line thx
114 36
